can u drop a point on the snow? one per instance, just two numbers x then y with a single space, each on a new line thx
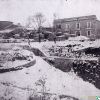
10 64
78 38
6 31
45 46
14 51
96 43
56 81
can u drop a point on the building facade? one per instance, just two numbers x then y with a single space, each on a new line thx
86 26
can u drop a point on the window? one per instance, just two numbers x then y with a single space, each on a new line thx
88 33
67 26
78 33
88 24
58 26
77 25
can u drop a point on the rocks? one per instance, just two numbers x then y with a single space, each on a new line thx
89 71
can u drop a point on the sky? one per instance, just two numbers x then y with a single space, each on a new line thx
18 11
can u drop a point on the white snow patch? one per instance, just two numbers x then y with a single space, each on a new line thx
56 81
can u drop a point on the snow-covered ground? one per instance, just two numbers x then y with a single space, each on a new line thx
56 82
45 47
9 56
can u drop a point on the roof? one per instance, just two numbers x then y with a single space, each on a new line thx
4 24
6 30
76 18
7 26
78 38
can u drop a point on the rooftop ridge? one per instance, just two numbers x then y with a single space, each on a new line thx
77 18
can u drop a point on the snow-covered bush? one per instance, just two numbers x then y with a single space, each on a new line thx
16 55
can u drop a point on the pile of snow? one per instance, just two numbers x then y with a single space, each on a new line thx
96 43
56 82
83 45
78 38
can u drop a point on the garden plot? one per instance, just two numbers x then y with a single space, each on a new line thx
66 49
13 55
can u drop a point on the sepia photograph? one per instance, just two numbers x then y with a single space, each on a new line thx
49 49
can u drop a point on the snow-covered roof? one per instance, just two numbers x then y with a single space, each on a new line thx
78 38
96 43
66 34
49 32
6 30
61 36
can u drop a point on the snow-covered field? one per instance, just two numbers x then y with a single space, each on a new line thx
77 45
56 82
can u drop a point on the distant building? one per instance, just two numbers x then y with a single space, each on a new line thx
86 26
10 30
50 29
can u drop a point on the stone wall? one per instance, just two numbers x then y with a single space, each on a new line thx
63 64
18 67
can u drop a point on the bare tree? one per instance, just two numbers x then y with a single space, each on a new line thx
55 16
37 22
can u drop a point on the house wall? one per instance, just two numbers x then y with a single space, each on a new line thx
94 29
97 35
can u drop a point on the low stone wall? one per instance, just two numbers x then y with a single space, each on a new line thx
37 52
63 64
18 67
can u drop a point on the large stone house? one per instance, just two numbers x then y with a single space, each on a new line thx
86 26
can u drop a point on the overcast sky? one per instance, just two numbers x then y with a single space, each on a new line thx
19 10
